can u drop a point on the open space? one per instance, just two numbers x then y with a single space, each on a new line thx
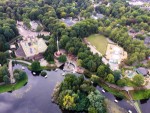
99 41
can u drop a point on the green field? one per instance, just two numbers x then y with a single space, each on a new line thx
11 87
99 41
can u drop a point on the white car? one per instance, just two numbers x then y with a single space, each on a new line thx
129 111
34 73
103 91
116 101
45 76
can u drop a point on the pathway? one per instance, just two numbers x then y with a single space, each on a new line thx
21 61
10 69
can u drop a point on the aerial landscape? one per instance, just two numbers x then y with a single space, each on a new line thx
74 56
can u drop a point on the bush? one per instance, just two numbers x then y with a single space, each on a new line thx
19 74
35 66
87 74
43 73
62 58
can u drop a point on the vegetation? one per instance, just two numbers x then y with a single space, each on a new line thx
4 74
62 59
19 74
43 73
12 87
138 79
35 66
99 41
119 20
77 94
140 94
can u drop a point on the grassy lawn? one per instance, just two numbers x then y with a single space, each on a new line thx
10 87
141 94
99 41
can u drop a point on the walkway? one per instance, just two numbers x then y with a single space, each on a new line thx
10 69
21 61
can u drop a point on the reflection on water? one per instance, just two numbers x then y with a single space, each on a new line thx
118 98
35 96
144 101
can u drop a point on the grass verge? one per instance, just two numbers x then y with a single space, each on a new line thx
10 87
140 94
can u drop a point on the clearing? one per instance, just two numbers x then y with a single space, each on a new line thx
99 41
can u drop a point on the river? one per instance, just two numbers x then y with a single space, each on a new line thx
35 96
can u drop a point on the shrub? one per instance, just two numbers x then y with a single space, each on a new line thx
43 73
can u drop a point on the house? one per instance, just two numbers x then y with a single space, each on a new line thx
30 47
143 71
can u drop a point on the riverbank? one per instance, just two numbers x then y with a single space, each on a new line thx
11 87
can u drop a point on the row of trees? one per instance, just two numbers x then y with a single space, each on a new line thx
71 8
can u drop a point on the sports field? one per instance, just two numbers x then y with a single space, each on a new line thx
99 41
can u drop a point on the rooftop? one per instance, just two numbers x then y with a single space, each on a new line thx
142 71
33 46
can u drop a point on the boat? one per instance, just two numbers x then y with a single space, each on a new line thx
116 101
129 111
63 74
103 91
23 68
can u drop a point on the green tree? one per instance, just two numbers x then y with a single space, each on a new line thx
91 66
117 75
92 110
17 76
138 79
121 82
43 73
101 71
97 101
35 66
110 78
6 79
68 102
62 58
95 78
